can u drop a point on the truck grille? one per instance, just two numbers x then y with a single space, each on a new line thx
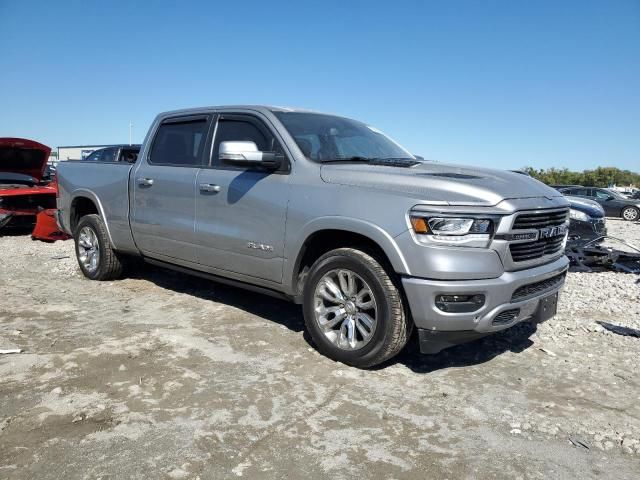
553 218
521 252
537 288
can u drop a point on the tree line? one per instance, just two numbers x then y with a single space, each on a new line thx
600 177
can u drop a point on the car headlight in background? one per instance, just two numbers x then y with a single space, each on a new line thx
465 231
578 215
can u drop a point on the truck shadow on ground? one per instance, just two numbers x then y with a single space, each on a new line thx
515 339
272 309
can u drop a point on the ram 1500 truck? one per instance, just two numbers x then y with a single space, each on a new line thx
330 213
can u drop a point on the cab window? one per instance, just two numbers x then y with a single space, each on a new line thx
179 142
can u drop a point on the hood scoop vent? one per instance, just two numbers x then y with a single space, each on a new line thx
395 162
459 176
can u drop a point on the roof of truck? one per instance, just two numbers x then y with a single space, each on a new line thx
259 108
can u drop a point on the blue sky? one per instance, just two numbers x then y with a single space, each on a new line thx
493 83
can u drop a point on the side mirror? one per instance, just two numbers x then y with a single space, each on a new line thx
610 197
246 154
419 157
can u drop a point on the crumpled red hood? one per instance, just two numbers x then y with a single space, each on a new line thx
19 155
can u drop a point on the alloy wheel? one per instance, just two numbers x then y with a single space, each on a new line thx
89 249
345 309
630 214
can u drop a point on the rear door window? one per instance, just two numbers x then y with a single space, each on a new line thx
180 142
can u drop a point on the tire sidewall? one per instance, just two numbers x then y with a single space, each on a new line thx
94 223
383 312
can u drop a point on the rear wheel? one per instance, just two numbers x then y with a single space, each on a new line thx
631 214
353 310
96 257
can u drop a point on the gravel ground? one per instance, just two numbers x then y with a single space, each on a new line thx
166 376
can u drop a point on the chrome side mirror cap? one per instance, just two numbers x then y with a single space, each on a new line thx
246 154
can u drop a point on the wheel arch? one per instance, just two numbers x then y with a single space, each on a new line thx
85 202
325 234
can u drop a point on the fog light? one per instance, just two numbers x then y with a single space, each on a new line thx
459 303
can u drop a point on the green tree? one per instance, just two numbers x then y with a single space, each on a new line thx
600 177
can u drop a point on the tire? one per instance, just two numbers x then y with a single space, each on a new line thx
631 214
108 266
345 341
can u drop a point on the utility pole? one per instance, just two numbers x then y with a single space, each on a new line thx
130 127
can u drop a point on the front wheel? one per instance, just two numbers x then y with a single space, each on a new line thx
96 257
353 310
631 214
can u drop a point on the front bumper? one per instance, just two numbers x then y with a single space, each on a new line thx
499 298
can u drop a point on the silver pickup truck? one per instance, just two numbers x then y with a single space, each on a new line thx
329 213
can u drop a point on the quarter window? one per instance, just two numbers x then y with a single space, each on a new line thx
179 143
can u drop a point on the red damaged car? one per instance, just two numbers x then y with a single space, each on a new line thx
24 195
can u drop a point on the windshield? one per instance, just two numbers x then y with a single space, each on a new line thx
326 138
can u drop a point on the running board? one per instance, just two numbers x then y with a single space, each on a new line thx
219 279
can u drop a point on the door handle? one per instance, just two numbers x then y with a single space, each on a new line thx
209 188
145 182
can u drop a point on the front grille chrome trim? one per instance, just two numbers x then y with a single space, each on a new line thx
540 248
508 239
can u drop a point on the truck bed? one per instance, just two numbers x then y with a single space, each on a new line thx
107 184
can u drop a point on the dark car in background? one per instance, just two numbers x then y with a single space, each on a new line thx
586 220
613 203
115 153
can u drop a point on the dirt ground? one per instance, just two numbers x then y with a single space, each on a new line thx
166 376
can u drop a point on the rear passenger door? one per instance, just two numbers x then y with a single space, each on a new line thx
241 212
163 188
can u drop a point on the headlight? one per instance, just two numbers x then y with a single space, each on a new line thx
470 232
578 215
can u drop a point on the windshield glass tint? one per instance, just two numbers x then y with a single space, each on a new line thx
326 137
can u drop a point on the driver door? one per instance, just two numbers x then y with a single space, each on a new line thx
240 211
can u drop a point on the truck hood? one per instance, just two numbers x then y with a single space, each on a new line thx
440 183
22 156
